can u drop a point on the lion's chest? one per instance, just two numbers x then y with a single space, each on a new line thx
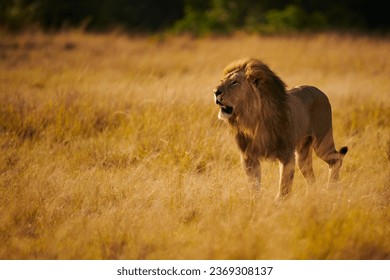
258 147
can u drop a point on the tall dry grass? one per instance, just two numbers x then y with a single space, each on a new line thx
111 149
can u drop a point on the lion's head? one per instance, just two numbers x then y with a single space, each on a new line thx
247 89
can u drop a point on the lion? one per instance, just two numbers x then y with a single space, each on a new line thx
270 122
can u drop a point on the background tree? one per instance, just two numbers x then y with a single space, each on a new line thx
196 16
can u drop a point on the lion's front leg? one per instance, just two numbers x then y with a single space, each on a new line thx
287 169
252 170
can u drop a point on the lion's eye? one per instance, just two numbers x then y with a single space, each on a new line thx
234 83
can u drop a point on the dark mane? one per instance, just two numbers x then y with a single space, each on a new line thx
264 127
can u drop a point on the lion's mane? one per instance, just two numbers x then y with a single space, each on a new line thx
262 124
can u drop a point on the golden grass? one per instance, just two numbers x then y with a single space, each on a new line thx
111 149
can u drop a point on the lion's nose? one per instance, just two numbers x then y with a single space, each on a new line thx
217 92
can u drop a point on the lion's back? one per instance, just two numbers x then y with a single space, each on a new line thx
310 95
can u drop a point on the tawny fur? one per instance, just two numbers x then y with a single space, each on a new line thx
271 123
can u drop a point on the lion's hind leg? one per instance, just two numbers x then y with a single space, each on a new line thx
305 159
334 159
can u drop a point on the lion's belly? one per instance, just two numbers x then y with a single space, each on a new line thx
300 118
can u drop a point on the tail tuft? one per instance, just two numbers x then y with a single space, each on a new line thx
343 150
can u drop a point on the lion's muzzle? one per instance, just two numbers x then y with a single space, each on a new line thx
219 103
217 92
226 110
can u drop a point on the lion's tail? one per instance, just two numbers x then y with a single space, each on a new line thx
343 151
334 167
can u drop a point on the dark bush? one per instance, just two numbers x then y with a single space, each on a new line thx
196 16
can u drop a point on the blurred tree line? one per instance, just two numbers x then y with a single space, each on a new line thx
196 16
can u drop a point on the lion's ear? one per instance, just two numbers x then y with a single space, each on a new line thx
255 75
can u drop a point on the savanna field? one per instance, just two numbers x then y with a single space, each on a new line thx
110 148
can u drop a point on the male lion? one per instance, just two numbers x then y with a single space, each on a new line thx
272 123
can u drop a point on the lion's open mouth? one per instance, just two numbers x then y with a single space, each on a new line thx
225 108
